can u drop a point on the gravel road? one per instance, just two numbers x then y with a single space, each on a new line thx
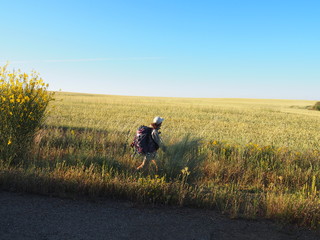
25 216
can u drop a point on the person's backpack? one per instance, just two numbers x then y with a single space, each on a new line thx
143 142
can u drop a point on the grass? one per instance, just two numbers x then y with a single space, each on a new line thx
245 157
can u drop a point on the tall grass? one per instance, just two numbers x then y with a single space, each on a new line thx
184 153
246 158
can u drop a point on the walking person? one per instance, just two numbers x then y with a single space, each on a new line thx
147 142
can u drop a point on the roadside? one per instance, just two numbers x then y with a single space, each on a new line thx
26 216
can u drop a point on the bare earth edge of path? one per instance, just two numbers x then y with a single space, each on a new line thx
27 216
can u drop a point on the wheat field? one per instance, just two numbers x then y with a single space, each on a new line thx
247 158
283 123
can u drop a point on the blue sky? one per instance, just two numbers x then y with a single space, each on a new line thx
230 48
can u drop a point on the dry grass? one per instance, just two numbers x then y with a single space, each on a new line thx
248 158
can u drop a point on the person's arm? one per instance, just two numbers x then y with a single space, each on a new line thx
158 139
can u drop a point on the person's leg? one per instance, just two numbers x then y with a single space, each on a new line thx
146 160
153 160
156 165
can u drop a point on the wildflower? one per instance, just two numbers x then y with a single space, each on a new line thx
9 142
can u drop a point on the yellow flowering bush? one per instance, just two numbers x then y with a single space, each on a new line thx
23 102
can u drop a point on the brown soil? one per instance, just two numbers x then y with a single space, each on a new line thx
24 216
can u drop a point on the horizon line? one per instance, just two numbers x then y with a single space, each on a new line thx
124 95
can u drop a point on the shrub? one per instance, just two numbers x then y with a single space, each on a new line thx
317 106
23 102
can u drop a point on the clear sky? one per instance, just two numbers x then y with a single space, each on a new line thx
203 48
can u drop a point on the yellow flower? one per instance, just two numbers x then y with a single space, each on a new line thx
9 142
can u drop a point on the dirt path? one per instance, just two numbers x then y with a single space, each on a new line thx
24 216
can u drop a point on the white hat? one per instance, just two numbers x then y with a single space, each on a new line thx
158 120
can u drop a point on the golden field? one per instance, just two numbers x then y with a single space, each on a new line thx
280 123
244 157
